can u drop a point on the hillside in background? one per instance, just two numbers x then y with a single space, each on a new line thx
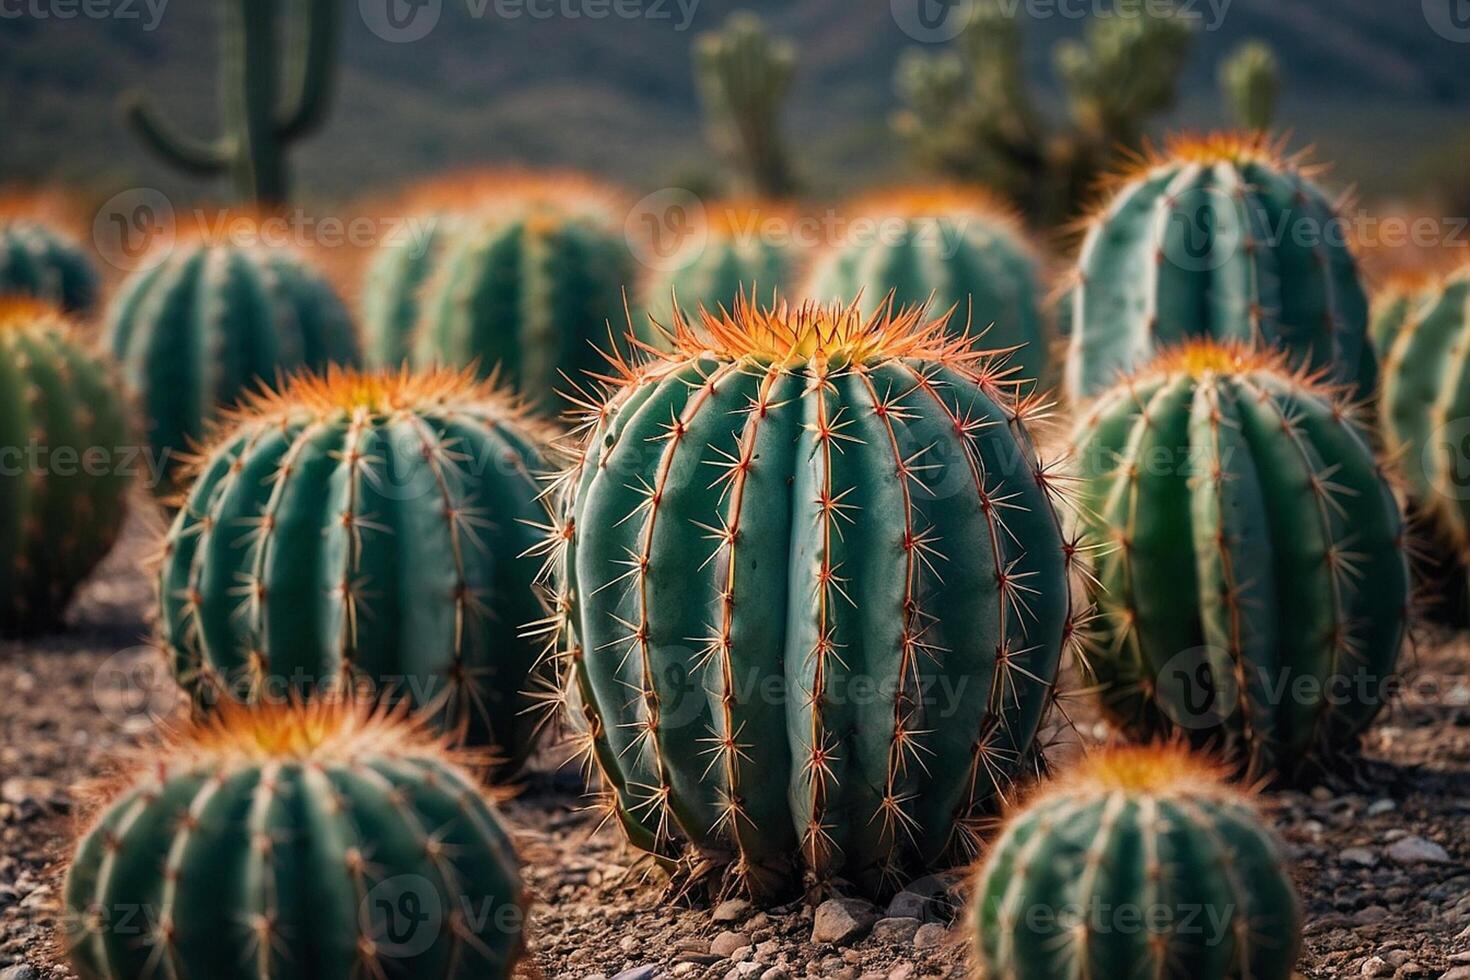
1367 81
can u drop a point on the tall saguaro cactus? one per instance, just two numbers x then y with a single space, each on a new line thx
743 76
260 121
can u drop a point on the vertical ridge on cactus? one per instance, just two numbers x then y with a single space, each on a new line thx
1222 237
1252 584
953 247
364 530
294 842
1426 395
39 262
1137 862
196 330
811 594
61 505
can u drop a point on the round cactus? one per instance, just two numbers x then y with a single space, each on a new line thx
1253 587
745 247
365 530
949 247
292 842
1139 862
812 595
1394 304
39 262
65 462
391 292
1426 398
198 329
1223 238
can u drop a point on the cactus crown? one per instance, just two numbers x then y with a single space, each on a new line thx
1161 769
940 200
24 313
331 730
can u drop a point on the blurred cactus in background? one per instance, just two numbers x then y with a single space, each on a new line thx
743 75
970 115
259 124
1250 83
37 260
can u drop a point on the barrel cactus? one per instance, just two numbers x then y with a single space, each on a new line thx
1225 238
812 594
951 247
364 531
294 842
1254 591
747 246
38 261
527 285
1426 398
65 464
196 330
1139 862
391 292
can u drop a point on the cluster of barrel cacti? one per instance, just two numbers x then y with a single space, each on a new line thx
796 581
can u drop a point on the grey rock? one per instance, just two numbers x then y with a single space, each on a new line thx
908 905
929 935
728 942
896 929
638 973
840 920
1360 856
24 971
1417 850
731 910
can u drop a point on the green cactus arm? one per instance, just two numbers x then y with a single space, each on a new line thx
311 65
203 157
1250 81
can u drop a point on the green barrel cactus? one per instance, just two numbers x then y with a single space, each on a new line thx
365 530
37 261
528 288
812 594
949 247
202 327
391 292
747 246
297 842
1393 305
65 464
1253 590
1140 862
1426 400
1222 238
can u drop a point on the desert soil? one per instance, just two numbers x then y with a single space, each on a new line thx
1381 857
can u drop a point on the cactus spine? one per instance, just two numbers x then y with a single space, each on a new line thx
527 287
260 121
1219 237
954 247
743 76
812 523
364 530
313 842
198 329
36 261
1426 398
62 505
747 247
1250 81
1254 591
1141 862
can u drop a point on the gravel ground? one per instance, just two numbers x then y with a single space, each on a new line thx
1382 858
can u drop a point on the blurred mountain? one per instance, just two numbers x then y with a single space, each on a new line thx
572 83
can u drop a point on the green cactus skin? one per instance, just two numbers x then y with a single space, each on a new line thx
743 76
365 529
1250 81
288 859
787 511
1252 545
1141 864
38 262
260 122
953 251
529 294
1395 304
1426 401
1220 238
199 329
59 517
396 278
736 256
